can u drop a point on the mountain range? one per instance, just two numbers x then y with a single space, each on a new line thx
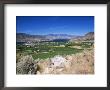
23 37
87 37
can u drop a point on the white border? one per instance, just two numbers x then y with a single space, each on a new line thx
96 80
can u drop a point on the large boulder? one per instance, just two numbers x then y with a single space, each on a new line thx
57 61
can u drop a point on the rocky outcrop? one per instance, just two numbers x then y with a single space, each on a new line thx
57 61
80 63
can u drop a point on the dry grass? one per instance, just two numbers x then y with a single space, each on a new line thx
80 63
83 63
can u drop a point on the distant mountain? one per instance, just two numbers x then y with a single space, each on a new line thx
23 37
59 36
87 37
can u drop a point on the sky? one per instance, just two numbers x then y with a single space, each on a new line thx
43 25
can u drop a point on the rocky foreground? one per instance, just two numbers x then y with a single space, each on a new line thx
80 63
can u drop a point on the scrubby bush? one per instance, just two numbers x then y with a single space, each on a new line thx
26 65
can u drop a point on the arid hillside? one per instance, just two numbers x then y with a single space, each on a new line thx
80 63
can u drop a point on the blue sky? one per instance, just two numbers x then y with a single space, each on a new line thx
41 25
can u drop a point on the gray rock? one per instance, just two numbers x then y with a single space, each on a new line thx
57 61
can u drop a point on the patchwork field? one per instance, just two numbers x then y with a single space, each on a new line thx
55 58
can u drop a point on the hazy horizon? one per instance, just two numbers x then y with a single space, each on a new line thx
53 34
